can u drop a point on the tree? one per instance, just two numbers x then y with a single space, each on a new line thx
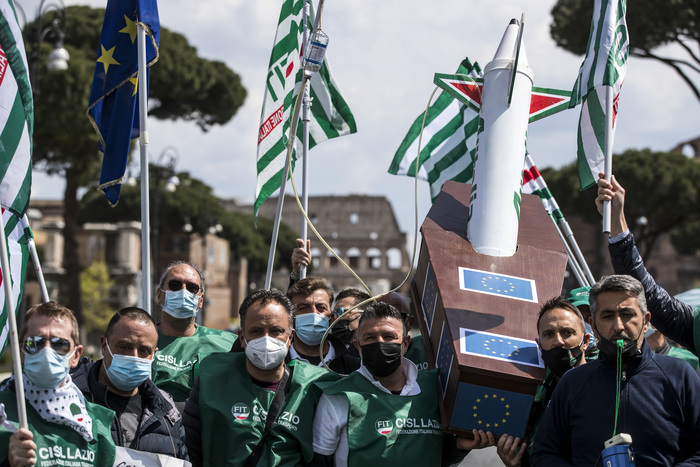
207 93
95 284
651 24
674 206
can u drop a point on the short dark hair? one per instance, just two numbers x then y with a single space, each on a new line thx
618 283
130 313
308 286
378 310
264 297
202 282
51 310
560 302
356 294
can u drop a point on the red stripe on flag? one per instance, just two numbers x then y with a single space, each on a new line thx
530 174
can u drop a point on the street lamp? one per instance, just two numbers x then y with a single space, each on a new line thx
55 32
164 180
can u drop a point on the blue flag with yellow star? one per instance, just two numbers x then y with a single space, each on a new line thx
489 409
502 285
499 347
113 108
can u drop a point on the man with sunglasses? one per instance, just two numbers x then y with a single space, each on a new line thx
182 344
64 428
147 419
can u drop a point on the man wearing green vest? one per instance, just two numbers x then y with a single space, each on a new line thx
386 413
182 345
64 429
250 408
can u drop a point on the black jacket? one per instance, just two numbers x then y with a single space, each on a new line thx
160 430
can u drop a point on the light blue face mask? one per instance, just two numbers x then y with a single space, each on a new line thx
310 327
46 368
181 304
128 372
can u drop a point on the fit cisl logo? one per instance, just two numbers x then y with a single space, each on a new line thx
240 411
384 426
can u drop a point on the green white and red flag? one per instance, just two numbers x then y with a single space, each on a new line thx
331 115
16 114
605 66
18 233
534 184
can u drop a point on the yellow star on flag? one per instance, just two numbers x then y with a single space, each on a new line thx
129 29
106 57
135 82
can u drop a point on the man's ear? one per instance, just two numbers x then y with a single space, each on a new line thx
76 356
240 337
586 341
539 345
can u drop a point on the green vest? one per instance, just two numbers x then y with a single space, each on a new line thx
176 364
60 445
696 330
233 409
389 430
416 353
685 355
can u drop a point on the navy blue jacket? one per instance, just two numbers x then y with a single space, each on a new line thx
658 408
669 315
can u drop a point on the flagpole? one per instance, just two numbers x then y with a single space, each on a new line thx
276 228
608 153
305 137
577 251
143 146
573 261
12 328
38 271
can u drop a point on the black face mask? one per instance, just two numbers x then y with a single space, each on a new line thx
608 349
343 332
381 358
560 360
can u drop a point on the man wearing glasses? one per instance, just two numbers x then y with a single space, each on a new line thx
182 344
64 428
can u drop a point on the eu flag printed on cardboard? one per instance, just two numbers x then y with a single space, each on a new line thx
502 285
499 347
430 296
490 409
445 355
113 108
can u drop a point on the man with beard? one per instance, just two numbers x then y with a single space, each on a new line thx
563 341
630 389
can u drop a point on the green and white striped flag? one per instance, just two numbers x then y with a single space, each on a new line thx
331 115
18 234
605 65
16 114
534 184
448 147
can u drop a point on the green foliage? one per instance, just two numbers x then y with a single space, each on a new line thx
651 24
95 284
662 187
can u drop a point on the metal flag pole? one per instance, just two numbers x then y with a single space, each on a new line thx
573 262
608 153
143 146
12 327
576 250
305 138
276 228
35 261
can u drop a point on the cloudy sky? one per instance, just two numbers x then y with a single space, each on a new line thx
383 55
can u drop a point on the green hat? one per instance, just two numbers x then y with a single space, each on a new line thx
579 296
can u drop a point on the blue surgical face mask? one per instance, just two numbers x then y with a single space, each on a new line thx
127 372
310 327
46 368
181 304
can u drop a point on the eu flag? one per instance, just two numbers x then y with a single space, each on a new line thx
490 409
501 285
113 108
445 355
499 347
430 294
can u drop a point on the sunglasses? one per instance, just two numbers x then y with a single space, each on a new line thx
175 285
33 344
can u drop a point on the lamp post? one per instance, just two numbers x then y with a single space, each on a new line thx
163 171
54 31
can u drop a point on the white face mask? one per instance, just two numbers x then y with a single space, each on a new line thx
266 352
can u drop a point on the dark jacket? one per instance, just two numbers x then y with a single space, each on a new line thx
669 315
658 408
160 430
